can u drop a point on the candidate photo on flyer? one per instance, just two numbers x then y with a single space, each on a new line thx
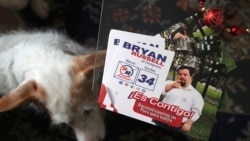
181 93
194 99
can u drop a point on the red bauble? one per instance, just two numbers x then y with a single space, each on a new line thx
235 30
213 17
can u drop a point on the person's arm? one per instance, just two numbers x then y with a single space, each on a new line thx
197 107
174 84
186 127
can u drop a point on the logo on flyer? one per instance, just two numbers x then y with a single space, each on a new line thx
126 72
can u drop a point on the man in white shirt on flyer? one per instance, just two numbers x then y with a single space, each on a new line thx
181 93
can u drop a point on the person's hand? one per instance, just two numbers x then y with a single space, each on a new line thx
178 35
186 127
176 84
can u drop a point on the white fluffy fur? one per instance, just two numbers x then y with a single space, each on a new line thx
46 58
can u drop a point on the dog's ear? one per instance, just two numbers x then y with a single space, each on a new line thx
28 91
95 60
86 71
88 63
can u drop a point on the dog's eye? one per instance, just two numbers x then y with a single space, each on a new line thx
88 110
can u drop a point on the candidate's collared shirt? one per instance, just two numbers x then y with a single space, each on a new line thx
188 99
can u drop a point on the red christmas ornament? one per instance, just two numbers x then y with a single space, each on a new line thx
235 30
201 2
213 17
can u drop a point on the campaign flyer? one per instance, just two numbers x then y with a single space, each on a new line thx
139 68
195 45
138 72
201 49
134 75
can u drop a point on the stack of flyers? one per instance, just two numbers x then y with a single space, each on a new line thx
175 79
146 80
135 72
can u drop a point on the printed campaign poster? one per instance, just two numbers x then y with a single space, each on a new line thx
136 67
169 80
196 74
143 80
196 80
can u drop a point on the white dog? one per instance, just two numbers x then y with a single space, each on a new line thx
47 68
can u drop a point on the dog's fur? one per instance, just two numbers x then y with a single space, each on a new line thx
47 68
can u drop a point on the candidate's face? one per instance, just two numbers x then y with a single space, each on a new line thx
183 76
